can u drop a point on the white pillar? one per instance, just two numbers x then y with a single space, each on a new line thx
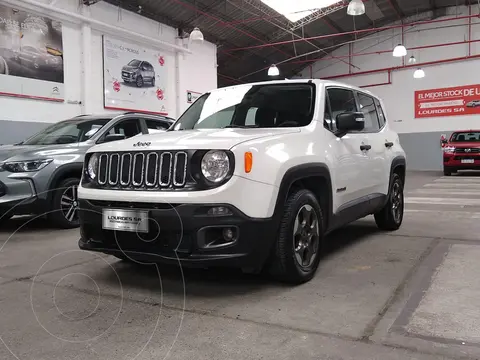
86 61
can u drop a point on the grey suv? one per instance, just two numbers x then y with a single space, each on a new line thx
138 72
41 174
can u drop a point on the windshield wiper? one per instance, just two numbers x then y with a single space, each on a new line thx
240 126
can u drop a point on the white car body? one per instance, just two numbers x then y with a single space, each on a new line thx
354 175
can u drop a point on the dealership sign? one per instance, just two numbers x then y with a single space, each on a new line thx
31 56
135 77
454 101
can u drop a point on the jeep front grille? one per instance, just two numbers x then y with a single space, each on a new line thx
142 170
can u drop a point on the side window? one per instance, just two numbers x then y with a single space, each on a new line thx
381 116
367 107
155 126
341 100
251 114
129 128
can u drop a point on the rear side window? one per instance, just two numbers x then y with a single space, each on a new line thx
367 107
381 115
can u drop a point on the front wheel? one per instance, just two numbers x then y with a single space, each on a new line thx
448 171
298 249
139 82
65 204
391 216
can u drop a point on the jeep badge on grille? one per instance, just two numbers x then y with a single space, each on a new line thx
138 144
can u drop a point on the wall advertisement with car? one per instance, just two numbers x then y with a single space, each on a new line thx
31 56
453 101
135 78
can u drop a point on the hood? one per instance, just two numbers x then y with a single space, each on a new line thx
465 144
129 68
31 152
201 139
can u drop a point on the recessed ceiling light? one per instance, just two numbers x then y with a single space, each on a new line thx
273 70
295 10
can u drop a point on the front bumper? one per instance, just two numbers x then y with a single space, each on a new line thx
185 229
461 161
17 196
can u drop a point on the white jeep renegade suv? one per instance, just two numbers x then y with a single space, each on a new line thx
251 176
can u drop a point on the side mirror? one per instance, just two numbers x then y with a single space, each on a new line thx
113 137
350 121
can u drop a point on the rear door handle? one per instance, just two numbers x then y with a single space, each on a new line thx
365 147
388 144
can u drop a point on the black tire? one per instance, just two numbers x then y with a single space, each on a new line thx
62 206
5 217
447 171
139 82
284 262
390 218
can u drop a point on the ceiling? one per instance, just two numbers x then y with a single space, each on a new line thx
236 24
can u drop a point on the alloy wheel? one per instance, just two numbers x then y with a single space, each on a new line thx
69 203
397 202
306 235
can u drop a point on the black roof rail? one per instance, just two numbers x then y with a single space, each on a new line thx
82 115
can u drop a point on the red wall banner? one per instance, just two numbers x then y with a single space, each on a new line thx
453 101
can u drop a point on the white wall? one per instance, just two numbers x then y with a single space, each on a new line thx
399 96
84 82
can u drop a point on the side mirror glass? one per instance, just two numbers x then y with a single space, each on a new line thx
350 121
113 137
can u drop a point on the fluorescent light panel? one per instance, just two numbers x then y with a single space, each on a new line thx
295 10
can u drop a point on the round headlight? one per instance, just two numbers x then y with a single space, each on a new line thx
92 166
215 166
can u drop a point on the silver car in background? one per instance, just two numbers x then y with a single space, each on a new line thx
41 174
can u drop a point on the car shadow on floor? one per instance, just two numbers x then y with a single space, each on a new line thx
221 282
24 224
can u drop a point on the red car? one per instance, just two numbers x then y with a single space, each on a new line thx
461 152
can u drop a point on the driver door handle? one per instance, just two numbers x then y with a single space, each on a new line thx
365 147
388 144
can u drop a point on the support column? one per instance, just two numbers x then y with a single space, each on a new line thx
86 61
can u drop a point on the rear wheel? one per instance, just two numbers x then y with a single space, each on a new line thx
65 204
391 216
298 249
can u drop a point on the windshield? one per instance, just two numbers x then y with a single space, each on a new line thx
134 63
465 136
247 106
67 132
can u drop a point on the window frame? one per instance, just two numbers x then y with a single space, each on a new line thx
115 122
379 105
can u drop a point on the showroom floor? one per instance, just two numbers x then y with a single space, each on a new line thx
412 294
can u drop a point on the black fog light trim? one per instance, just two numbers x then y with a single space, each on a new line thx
215 237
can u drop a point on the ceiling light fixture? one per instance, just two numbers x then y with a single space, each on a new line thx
196 35
273 70
356 7
412 60
419 74
400 51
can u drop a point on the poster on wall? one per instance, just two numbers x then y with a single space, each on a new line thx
192 96
135 78
31 55
453 101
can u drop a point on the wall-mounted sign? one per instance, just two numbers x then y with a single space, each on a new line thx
192 96
135 78
454 101
31 56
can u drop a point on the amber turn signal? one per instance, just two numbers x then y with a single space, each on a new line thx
248 162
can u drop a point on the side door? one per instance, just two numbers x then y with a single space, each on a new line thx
129 127
348 157
376 174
